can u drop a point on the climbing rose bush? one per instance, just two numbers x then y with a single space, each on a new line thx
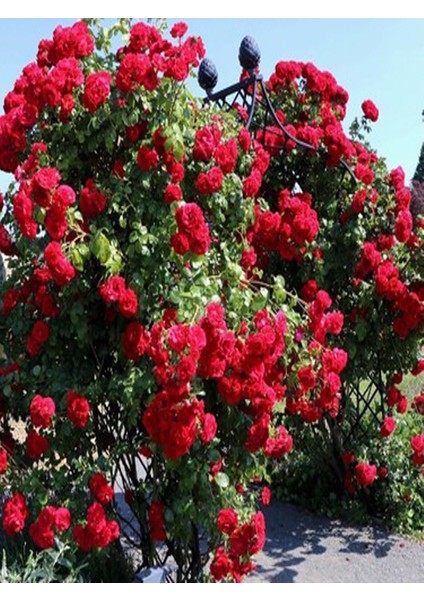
175 297
142 351
367 254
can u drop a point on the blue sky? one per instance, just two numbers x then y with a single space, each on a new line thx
380 59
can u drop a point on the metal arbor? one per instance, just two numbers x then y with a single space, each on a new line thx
251 95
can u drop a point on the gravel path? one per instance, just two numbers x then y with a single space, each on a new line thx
305 548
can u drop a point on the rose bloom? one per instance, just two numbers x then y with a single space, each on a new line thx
128 303
97 88
42 411
370 110
78 409
365 474
388 426
227 520
3 461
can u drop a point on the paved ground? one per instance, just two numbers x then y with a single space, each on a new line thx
306 548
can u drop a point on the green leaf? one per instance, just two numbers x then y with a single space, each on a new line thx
101 248
77 259
222 480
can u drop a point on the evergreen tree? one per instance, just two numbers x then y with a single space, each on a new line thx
419 171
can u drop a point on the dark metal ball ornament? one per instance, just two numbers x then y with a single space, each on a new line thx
249 53
208 75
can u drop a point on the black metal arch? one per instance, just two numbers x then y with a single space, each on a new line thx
251 93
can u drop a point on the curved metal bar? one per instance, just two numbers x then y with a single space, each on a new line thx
253 104
256 79
232 89
281 126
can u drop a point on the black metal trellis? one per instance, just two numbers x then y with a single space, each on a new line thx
250 94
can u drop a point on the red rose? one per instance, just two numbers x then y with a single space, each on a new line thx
210 182
382 472
101 490
147 159
388 426
47 178
370 110
189 217
306 377
365 474
62 519
36 444
227 520
15 513
6 244
3 461
179 30
42 411
266 496
97 89
221 565
111 290
40 332
209 428
348 458
206 140
10 300
92 202
200 240
128 303
134 341
403 226
78 409
180 243
172 193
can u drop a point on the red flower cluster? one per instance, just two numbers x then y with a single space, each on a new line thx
115 290
417 445
210 182
15 513
369 261
135 340
318 390
304 79
98 532
91 201
49 83
287 231
408 304
101 490
49 519
78 409
148 54
193 231
397 399
60 269
242 540
38 336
